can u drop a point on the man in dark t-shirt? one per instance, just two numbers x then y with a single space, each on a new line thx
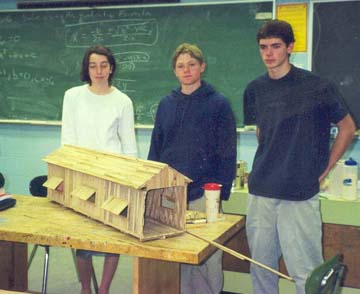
293 110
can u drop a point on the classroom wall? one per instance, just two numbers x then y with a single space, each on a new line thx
23 146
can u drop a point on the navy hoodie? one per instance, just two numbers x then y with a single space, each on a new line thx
196 135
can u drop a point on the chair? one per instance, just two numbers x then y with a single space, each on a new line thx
326 278
38 190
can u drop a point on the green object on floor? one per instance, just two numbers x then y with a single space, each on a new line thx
325 279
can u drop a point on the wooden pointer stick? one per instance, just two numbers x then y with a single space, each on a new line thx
241 256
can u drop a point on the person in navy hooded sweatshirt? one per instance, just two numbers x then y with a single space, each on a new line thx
195 133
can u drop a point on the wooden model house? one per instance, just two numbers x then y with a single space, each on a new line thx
143 198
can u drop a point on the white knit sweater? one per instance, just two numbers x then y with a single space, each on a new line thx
100 122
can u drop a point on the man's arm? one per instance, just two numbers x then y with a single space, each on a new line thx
346 131
226 149
156 138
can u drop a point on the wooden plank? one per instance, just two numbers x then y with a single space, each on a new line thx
134 172
137 212
155 276
102 164
53 182
12 292
172 213
155 230
41 221
83 192
345 240
241 256
115 205
238 243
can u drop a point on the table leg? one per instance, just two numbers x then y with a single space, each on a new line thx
13 266
156 276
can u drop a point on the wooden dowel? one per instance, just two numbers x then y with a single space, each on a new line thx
240 256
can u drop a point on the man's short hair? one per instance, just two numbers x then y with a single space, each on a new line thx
2 180
276 29
193 50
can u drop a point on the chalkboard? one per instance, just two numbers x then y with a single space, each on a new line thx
41 53
336 45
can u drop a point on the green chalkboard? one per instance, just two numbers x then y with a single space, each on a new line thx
41 53
336 44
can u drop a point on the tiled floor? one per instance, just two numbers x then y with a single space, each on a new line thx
62 276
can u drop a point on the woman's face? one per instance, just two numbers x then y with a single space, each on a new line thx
99 69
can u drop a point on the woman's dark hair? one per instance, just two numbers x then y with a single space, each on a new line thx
2 180
276 29
101 50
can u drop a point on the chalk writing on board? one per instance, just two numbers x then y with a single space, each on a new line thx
127 61
17 75
41 53
6 54
6 20
75 15
142 112
9 39
14 53
153 109
124 85
112 33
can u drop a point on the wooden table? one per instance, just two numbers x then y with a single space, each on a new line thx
157 263
12 292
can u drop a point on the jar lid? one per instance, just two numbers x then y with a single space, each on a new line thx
350 161
348 182
212 186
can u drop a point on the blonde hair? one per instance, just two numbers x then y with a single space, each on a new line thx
191 49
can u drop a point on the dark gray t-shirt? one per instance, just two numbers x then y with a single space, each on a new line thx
294 115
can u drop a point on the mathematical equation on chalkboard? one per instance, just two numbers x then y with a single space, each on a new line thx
133 29
41 53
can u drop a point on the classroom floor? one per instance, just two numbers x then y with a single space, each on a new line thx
62 277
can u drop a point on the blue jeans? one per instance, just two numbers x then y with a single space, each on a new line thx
292 229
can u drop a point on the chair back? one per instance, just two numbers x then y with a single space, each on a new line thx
326 278
36 187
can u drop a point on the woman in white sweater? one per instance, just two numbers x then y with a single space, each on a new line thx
98 116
